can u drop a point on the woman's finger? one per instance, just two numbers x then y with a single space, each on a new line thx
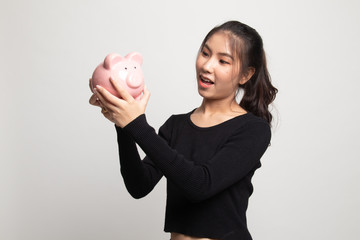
99 92
122 92
106 114
104 110
106 98
94 100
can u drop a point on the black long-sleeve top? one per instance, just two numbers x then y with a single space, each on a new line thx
208 171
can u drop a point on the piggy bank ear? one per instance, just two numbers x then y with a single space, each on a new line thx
135 56
111 60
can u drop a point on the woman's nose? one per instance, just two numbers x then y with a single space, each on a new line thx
209 65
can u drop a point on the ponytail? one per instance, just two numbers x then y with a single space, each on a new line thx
259 93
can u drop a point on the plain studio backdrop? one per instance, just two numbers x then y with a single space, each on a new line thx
59 169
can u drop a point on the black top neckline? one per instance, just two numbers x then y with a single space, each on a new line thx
214 126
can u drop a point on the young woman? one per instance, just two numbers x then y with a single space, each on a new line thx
210 154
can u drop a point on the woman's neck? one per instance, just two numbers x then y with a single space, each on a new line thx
213 107
213 113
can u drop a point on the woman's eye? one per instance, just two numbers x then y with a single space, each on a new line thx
205 54
224 62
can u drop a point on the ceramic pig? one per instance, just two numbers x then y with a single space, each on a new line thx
126 70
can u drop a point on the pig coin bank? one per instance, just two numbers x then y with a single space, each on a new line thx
126 70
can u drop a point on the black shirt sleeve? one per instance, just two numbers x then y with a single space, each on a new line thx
140 176
237 158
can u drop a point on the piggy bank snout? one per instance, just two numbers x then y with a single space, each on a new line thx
135 79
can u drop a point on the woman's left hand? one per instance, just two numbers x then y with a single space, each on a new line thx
121 111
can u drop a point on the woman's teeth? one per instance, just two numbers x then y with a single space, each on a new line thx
207 81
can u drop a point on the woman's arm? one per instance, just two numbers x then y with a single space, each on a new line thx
237 158
140 176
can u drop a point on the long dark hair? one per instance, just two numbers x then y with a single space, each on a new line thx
248 45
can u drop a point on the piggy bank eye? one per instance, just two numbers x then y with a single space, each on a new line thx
135 67
125 68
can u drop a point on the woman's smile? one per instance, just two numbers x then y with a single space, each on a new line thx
205 82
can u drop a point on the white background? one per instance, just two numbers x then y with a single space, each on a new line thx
59 170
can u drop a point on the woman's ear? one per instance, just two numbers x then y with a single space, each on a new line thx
246 76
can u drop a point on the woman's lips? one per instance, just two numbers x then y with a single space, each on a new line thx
205 82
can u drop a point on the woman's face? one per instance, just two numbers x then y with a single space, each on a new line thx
217 69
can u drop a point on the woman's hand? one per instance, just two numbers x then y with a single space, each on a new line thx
94 100
119 111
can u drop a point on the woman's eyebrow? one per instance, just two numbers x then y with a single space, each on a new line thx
225 54
207 47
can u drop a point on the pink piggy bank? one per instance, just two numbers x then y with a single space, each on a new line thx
126 70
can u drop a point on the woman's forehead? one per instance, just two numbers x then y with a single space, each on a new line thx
220 42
